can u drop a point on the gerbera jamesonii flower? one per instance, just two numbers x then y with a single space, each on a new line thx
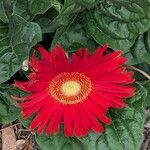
76 92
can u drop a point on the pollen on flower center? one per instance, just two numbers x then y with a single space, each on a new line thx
70 88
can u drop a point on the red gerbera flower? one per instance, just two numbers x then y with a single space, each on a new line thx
76 92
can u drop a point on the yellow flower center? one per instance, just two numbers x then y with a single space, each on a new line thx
70 88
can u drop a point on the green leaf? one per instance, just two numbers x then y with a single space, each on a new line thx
6 10
72 37
30 8
17 38
62 15
147 86
3 16
8 110
125 132
66 14
58 142
118 22
20 7
39 6
48 21
140 51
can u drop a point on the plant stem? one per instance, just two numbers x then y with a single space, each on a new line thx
139 70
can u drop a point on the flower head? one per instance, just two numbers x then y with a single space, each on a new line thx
76 92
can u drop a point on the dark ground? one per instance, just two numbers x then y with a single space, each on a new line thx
24 138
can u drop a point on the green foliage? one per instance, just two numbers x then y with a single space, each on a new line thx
147 86
118 23
30 8
123 24
17 37
140 51
125 132
8 110
58 142
72 37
